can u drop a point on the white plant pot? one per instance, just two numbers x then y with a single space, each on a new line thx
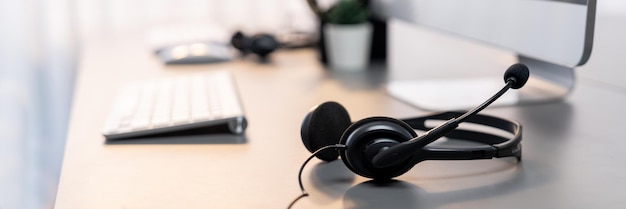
348 46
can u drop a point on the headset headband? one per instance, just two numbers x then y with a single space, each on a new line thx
494 146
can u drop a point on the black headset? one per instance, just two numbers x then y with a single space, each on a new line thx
383 147
260 44
330 124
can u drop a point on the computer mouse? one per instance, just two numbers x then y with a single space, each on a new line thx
195 53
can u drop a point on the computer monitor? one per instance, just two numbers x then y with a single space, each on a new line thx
550 36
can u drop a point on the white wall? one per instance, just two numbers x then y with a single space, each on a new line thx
37 68
252 16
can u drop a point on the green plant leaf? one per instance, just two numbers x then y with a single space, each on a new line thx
347 12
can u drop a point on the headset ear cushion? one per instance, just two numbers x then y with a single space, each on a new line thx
365 132
323 126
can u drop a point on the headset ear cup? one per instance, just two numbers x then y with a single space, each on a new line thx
323 126
263 44
240 42
368 131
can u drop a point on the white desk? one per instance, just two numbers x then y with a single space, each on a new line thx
573 150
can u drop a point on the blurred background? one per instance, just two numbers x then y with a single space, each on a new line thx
40 46
40 43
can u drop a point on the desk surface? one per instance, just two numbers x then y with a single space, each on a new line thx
572 149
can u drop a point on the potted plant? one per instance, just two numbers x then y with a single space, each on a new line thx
347 34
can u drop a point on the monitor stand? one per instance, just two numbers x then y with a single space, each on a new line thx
548 82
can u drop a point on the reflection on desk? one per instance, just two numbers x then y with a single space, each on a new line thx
334 182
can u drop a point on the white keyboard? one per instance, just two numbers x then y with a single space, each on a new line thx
176 104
